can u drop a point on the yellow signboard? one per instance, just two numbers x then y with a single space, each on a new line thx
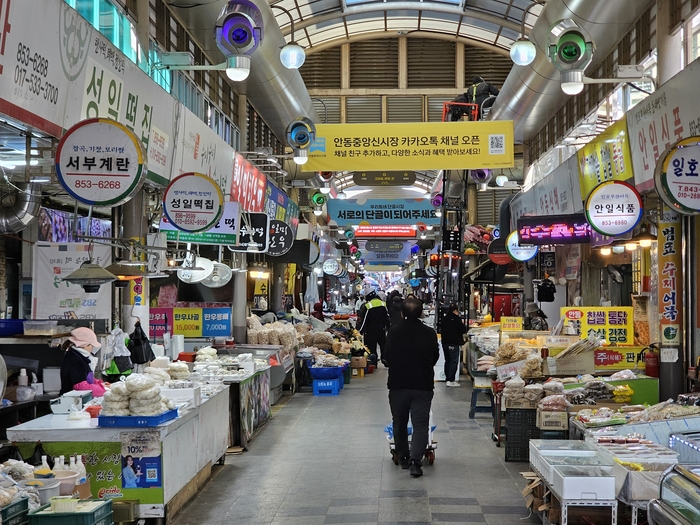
614 324
605 158
187 321
261 287
511 324
411 146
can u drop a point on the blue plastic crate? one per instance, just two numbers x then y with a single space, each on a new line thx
136 421
331 372
326 387
10 327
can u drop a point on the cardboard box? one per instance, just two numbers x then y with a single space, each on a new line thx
358 362
505 372
519 403
552 420
569 366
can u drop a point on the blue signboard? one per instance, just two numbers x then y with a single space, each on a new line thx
382 212
217 322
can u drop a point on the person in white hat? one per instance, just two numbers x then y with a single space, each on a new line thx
535 318
77 370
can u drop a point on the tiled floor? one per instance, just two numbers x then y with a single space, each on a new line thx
325 460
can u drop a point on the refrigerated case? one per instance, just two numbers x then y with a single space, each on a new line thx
679 503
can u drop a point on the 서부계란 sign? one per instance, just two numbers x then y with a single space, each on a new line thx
100 162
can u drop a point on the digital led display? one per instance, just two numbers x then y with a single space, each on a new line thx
554 229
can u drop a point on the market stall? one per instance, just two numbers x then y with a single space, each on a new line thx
179 457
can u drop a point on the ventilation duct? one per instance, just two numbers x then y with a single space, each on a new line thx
21 208
504 216
531 95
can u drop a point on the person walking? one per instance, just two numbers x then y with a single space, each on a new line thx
411 352
375 321
452 331
395 306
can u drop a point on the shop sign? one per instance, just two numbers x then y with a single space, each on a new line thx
193 202
382 212
160 321
554 229
248 185
225 231
331 267
670 280
254 234
384 178
388 257
614 208
411 146
518 252
606 158
497 252
142 448
384 246
677 177
613 324
385 231
187 322
616 358
100 162
54 298
557 193
281 238
511 324
199 149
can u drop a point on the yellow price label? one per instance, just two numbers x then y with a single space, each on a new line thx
511 324
187 322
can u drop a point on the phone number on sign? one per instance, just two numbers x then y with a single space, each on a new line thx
619 222
102 184
190 219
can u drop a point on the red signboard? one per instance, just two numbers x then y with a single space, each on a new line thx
248 185
385 231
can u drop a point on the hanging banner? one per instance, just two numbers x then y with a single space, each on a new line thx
385 231
614 208
224 232
670 279
381 212
558 193
388 257
248 185
100 162
54 298
411 146
607 157
613 324
193 202
677 176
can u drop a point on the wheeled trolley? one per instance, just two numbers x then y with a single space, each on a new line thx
429 451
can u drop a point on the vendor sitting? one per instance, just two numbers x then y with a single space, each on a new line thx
77 369
535 318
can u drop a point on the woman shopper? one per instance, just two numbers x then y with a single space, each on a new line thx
452 331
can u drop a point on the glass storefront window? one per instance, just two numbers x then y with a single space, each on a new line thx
694 40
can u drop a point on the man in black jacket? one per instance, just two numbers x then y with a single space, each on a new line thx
452 332
411 351
375 321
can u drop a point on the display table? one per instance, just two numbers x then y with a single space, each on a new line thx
185 450
249 407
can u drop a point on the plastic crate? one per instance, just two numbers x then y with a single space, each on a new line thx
326 387
331 372
347 375
521 435
517 452
9 327
101 515
521 417
15 513
124 509
136 421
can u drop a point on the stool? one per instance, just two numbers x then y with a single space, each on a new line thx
326 387
480 386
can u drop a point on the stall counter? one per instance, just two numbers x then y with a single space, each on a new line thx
182 469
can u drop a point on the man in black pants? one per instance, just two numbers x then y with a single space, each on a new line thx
375 321
411 351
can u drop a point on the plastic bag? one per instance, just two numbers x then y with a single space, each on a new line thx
140 346
35 458
10 452
556 403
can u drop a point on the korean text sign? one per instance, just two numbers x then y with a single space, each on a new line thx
193 202
382 212
190 322
411 146
677 177
614 324
225 231
614 208
670 279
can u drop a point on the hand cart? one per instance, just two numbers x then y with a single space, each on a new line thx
429 449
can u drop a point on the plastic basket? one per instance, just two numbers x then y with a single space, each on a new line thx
15 512
517 452
136 421
10 327
101 515
332 372
521 417
521 435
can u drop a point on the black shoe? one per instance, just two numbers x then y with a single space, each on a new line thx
416 471
404 463
385 363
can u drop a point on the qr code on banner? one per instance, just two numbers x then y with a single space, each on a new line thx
497 144
151 474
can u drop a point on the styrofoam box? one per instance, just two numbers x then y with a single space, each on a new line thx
584 483
181 395
542 448
547 464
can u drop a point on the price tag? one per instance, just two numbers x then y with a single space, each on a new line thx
614 208
187 322
281 238
669 355
100 162
193 202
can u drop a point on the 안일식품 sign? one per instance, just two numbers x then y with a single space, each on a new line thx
614 208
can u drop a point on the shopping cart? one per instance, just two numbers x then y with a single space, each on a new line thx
429 449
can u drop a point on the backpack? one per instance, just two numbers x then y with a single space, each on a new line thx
545 291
